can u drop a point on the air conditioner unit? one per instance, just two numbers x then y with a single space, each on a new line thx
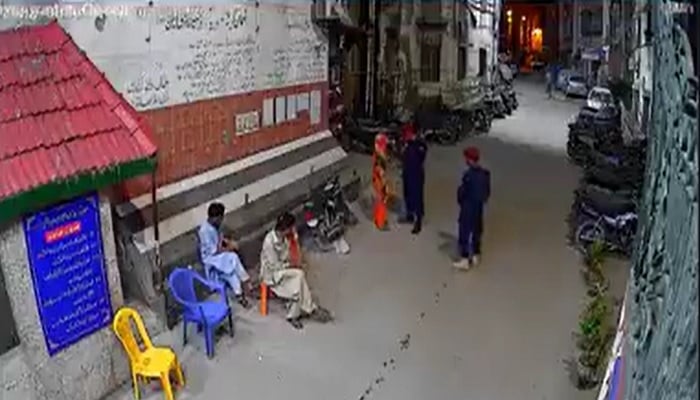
322 9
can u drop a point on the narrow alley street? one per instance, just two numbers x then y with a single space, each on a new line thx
408 326
149 152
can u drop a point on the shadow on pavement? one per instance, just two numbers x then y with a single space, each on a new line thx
448 244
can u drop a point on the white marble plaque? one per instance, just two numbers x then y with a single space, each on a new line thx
280 109
303 101
268 117
291 107
315 107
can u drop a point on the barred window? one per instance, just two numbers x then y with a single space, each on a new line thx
461 63
430 58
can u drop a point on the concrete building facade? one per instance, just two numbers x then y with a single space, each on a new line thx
584 36
436 48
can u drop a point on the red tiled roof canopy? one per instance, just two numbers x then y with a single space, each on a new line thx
59 116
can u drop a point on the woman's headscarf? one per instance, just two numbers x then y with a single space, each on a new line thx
380 143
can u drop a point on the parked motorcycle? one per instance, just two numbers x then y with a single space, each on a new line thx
604 119
601 214
500 94
361 133
615 229
336 118
326 215
440 125
509 97
587 136
481 119
495 104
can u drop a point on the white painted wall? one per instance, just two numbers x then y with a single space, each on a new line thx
483 37
646 60
171 54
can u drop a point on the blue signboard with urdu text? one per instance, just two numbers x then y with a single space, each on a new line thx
64 246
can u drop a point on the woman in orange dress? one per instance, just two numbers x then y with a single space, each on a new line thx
379 184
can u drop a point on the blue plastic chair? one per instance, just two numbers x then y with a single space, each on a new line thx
207 314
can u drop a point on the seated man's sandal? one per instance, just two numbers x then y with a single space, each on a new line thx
296 323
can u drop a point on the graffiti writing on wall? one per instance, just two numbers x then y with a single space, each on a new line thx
218 67
204 18
151 88
300 61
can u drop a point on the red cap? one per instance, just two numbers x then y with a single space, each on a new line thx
409 131
471 154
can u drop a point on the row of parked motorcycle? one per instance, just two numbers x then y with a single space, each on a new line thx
605 204
436 123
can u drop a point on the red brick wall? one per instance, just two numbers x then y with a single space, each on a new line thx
191 138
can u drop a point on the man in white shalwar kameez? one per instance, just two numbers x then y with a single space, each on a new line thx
219 253
286 280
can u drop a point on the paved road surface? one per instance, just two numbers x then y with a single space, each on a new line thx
409 326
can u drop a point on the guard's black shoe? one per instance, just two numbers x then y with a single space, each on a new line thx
417 227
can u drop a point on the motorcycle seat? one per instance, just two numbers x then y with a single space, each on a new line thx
609 179
607 202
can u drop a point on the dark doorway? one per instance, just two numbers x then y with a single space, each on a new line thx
482 61
359 101
8 331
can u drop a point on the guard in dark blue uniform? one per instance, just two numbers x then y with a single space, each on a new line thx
472 195
413 175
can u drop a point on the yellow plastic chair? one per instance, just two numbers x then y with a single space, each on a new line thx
146 361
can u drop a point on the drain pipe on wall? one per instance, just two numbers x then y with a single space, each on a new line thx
158 275
375 60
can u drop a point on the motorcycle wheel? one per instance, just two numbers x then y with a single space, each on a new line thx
446 137
487 125
453 129
627 241
588 233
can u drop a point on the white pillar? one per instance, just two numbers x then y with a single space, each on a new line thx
576 28
606 21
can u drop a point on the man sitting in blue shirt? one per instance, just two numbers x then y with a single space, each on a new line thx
218 253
